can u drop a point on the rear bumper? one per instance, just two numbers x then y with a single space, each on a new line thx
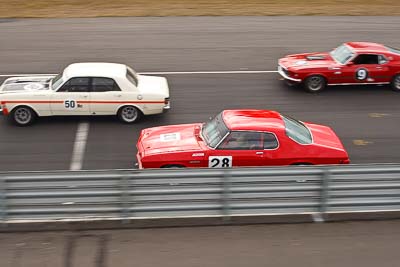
281 71
166 108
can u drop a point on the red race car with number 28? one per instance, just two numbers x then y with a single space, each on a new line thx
351 63
236 138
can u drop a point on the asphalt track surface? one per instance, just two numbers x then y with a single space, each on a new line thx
355 244
366 118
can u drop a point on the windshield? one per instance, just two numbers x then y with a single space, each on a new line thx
393 50
342 54
56 82
297 131
214 131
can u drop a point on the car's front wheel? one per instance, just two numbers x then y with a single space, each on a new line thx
22 116
396 83
314 83
129 114
173 166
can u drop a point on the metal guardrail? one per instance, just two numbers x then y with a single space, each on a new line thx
168 193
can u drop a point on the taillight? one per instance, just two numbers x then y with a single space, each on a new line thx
166 101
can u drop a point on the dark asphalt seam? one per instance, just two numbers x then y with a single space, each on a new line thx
69 251
100 260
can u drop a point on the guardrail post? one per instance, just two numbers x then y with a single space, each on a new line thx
226 194
324 196
3 199
125 198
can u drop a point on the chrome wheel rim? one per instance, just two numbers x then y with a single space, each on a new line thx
22 116
129 114
315 83
397 82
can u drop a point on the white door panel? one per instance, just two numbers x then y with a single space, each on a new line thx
70 103
105 103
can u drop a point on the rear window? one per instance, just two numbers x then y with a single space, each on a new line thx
393 50
297 131
131 76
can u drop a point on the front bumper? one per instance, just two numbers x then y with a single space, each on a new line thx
138 164
281 71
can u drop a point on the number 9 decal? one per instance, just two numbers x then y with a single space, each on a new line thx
361 74
220 162
70 104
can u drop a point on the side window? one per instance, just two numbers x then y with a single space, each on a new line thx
366 59
242 141
270 141
382 59
80 84
104 85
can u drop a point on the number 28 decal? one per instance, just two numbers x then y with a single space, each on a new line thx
220 162
70 104
361 74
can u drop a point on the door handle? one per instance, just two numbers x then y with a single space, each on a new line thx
379 68
119 95
85 96
259 153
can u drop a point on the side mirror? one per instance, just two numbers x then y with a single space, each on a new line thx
351 63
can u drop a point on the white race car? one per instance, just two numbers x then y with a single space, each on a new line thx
85 89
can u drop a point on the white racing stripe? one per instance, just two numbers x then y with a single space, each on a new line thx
79 146
165 72
24 75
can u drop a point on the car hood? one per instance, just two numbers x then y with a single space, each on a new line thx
153 85
324 136
167 139
307 60
22 84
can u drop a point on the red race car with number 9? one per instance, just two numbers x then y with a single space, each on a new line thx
351 63
236 138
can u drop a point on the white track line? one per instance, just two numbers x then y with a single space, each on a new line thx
79 146
212 72
167 72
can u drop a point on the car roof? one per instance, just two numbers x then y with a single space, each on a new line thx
95 69
253 120
367 47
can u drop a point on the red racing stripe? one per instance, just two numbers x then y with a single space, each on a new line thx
32 102
121 102
81 102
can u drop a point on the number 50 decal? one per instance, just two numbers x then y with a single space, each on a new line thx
220 162
70 104
361 74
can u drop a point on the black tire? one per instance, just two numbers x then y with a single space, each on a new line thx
22 116
396 83
301 164
129 114
314 83
172 166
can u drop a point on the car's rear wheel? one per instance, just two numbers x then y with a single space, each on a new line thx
129 114
396 83
314 83
22 116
